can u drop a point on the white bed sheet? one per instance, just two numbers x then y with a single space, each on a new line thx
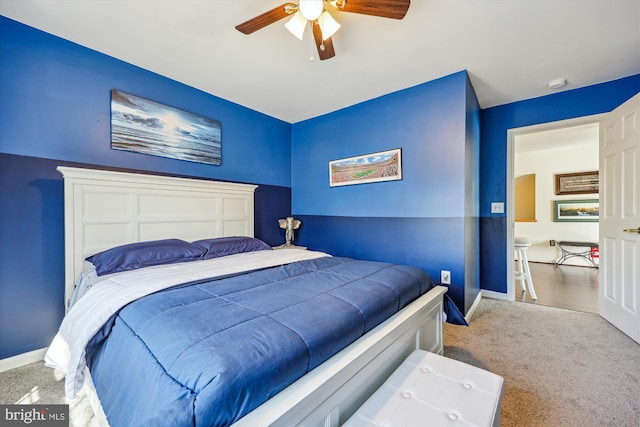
88 279
103 300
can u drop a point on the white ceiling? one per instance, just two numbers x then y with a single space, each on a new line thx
586 136
511 48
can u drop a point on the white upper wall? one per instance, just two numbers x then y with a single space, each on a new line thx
546 154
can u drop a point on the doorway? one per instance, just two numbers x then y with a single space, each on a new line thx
544 151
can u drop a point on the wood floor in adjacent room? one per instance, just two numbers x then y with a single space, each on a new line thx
564 286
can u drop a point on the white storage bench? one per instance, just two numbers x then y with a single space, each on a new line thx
432 390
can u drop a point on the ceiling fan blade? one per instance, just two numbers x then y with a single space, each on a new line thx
395 9
267 18
325 47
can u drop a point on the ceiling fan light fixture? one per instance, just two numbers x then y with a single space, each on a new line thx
328 25
322 23
296 25
311 9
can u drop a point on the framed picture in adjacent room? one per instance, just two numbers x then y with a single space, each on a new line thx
578 183
576 210
374 167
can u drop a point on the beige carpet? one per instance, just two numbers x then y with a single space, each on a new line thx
37 384
561 367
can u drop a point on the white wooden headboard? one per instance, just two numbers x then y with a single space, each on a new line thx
103 209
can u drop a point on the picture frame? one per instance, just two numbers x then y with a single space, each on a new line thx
576 210
142 126
366 168
578 183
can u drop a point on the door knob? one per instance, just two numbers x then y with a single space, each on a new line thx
632 230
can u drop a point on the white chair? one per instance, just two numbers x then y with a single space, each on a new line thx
524 274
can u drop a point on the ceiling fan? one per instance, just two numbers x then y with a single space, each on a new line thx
323 25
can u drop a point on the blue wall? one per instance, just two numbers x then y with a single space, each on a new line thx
472 198
55 110
596 99
426 121
56 100
422 219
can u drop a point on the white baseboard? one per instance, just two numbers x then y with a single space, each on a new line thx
473 307
494 295
22 359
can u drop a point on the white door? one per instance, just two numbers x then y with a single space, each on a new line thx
620 217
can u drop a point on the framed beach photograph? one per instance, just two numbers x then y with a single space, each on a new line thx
577 183
146 127
374 167
576 210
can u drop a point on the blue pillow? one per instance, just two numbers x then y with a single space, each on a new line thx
223 246
144 254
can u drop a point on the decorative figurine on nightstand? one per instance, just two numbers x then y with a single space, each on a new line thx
289 224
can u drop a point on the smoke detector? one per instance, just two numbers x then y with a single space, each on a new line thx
557 83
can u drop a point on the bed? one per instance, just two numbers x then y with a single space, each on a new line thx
322 381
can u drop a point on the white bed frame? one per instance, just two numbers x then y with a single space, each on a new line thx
105 209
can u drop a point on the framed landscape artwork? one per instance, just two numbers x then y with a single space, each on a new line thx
374 167
576 210
578 183
147 127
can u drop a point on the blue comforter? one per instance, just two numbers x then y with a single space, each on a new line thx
207 353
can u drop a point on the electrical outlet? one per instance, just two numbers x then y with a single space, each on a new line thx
445 277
